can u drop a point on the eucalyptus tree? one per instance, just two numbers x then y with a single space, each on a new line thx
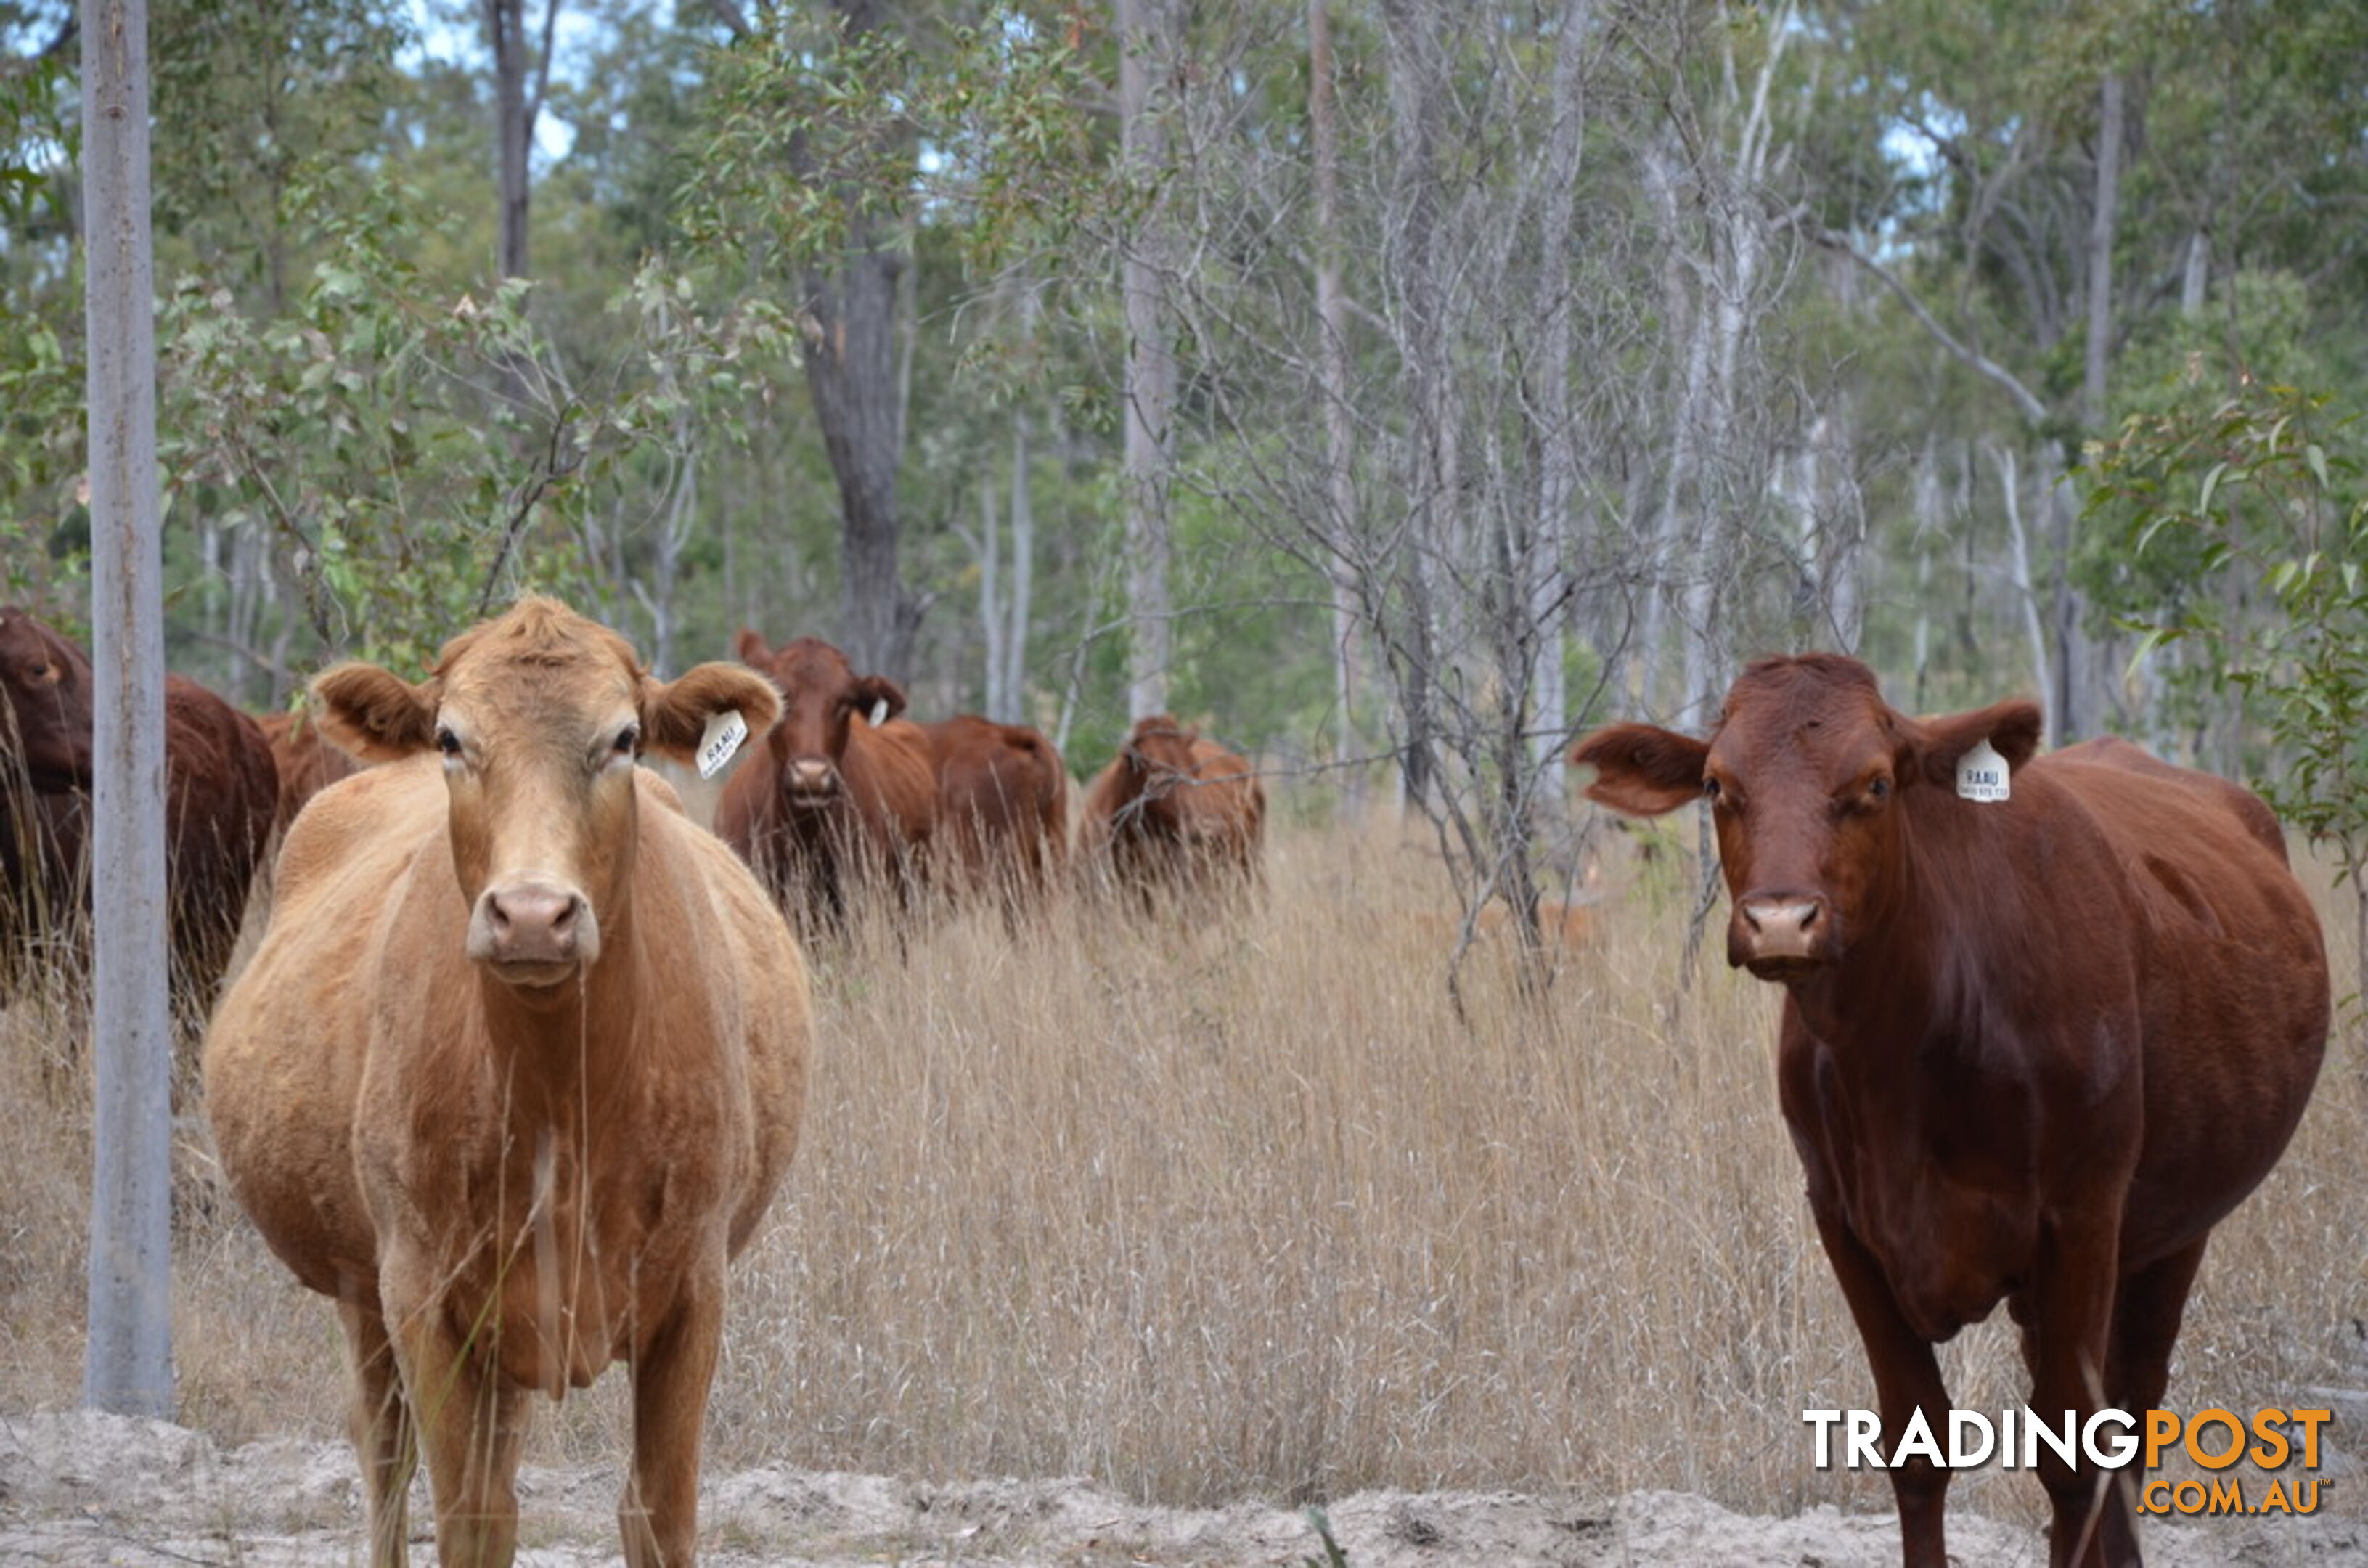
809 127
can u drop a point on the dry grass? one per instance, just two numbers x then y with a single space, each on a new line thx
1249 1210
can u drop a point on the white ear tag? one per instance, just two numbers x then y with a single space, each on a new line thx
1981 774
879 712
722 736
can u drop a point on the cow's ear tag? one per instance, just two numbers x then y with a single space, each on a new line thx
879 711
1981 774
722 736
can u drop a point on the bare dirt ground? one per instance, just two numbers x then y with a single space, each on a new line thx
80 1489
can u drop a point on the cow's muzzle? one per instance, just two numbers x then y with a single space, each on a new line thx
532 931
1780 937
810 781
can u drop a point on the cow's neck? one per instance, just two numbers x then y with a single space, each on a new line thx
1907 985
551 1050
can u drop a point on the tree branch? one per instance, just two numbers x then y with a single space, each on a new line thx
728 12
2034 411
543 66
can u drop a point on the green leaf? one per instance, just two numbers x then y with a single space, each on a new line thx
2211 483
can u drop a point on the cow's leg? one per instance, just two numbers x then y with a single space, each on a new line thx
660 1510
470 1427
1906 1379
2148 1308
2065 1342
381 1425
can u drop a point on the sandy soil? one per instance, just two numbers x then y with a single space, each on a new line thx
82 1489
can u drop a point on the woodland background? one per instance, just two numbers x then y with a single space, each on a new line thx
1396 386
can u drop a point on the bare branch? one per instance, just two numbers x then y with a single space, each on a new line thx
2034 411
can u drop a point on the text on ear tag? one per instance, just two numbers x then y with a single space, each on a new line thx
722 736
1981 774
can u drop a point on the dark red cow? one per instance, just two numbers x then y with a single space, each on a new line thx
308 764
2033 1049
221 791
1003 818
1172 813
833 803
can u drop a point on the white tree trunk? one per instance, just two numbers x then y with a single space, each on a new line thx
2196 278
1143 36
2102 212
1341 525
128 1365
1023 576
1550 542
2018 537
990 597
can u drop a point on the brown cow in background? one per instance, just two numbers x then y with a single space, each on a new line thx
1002 809
221 791
1172 813
833 808
516 1068
308 764
2034 1048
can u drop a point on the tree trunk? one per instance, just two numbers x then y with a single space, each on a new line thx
1681 312
851 360
521 73
1931 523
990 597
2195 277
1430 459
1145 37
2018 538
1340 433
128 1365
2100 252
1023 576
2077 680
1548 567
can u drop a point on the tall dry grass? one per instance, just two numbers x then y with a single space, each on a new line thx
1245 1208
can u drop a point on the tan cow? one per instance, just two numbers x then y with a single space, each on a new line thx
516 1067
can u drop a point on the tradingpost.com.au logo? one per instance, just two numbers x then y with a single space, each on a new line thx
2109 1439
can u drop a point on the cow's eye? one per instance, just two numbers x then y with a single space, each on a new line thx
1878 788
448 742
1709 789
629 741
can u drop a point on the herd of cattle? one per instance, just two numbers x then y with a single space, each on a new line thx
851 803
519 1062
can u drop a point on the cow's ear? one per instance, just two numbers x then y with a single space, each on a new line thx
675 713
374 715
749 649
870 691
2011 728
1641 770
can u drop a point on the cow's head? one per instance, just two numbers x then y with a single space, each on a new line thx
1810 775
822 700
539 715
1156 762
46 683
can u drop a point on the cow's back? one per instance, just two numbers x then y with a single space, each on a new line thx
1000 796
891 780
